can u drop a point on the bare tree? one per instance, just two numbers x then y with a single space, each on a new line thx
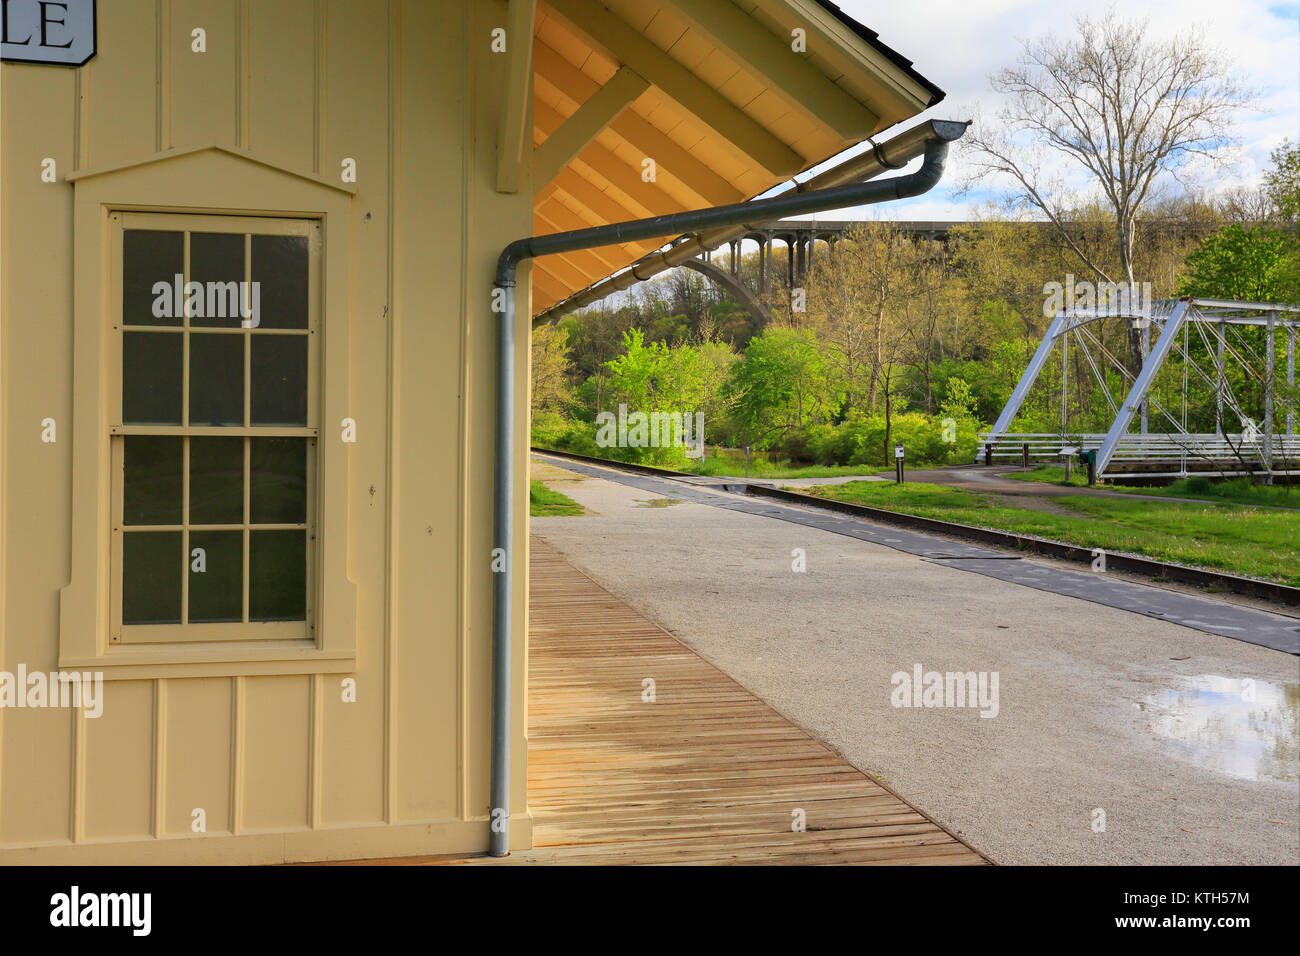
925 312
1124 106
551 368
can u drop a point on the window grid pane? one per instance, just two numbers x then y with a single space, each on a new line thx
281 543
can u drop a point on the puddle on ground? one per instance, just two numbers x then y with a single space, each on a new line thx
1244 729
657 502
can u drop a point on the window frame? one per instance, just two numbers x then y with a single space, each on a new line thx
186 631
208 181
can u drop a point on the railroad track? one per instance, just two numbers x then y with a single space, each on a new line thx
1152 568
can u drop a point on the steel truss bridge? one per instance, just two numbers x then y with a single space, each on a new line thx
1250 438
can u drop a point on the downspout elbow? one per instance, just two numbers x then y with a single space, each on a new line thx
508 261
928 176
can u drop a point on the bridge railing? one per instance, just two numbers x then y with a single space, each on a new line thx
1230 454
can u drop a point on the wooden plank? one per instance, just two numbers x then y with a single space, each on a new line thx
512 129
583 126
791 76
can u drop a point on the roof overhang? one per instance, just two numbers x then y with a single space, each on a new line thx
652 107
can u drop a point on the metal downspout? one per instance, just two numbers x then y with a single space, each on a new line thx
791 203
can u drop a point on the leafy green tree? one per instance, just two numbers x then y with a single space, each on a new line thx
1251 265
1282 182
783 383
552 389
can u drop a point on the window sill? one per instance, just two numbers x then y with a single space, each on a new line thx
213 660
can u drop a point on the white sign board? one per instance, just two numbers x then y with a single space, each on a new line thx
898 451
56 32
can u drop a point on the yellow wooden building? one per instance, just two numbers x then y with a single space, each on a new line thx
248 380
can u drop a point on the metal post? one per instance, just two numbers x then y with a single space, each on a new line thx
1187 360
1218 379
1270 343
1146 353
1290 380
1065 376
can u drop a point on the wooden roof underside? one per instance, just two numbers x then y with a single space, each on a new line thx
710 91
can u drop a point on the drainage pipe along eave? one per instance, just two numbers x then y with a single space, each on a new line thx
696 222
892 154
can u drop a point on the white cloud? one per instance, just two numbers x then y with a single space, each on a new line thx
957 44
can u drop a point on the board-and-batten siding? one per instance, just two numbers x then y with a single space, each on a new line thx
303 83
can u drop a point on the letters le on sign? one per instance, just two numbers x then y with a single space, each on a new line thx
58 32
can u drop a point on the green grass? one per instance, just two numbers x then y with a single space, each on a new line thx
1256 542
1240 491
545 503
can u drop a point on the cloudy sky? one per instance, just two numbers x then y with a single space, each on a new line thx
957 44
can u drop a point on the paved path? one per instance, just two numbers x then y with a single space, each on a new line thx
1100 711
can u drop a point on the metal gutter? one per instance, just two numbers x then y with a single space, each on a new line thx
894 154
933 143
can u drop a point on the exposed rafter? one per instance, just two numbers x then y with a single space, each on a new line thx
621 43
791 75
574 219
605 207
559 218
648 195
564 270
545 282
554 69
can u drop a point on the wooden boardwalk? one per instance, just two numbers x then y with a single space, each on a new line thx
705 774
